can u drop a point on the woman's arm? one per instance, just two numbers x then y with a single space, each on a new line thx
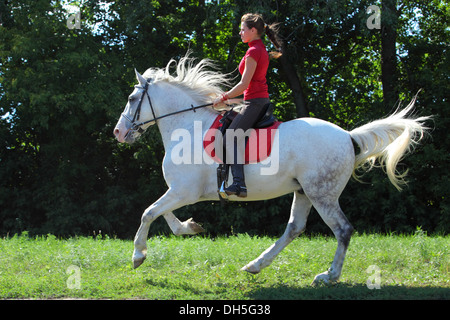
247 75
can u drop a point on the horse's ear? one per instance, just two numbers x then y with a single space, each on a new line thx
140 78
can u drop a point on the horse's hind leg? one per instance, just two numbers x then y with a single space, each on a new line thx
301 207
333 216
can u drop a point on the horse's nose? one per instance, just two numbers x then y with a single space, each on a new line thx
116 132
119 136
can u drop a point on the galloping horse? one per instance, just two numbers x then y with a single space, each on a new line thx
316 158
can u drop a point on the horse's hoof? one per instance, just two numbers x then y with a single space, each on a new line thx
250 269
138 262
322 279
194 226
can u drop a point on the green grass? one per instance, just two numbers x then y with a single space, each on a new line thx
412 267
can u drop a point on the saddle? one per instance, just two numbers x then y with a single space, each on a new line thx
267 119
266 122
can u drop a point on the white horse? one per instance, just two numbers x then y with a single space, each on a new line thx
316 158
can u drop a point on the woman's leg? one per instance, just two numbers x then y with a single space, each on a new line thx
235 143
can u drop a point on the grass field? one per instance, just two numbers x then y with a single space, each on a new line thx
411 267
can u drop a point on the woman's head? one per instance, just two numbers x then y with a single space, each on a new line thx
253 20
253 26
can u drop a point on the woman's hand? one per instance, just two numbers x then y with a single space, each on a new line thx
217 101
220 99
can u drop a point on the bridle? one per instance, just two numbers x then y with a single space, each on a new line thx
136 126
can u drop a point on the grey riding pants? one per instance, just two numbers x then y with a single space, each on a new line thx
234 138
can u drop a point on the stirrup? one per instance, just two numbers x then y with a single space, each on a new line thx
222 191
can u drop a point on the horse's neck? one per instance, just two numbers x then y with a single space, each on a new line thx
191 121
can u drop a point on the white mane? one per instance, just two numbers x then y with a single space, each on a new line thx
203 83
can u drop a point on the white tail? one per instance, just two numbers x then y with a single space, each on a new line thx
388 140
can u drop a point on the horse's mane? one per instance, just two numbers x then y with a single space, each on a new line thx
201 79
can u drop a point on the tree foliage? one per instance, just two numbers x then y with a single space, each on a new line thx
62 91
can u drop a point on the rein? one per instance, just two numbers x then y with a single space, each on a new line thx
137 126
192 108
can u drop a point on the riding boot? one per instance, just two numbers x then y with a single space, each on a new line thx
238 187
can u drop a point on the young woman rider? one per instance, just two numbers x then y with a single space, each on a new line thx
253 68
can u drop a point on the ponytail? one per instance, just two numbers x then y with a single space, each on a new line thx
254 20
272 33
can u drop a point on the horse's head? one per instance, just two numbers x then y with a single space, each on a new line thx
138 114
191 85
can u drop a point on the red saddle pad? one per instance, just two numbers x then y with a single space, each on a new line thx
259 144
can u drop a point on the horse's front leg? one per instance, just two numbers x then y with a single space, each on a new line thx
170 201
179 228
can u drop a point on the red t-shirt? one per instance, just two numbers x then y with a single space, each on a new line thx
258 85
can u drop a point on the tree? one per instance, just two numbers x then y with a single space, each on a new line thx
57 99
389 25
62 91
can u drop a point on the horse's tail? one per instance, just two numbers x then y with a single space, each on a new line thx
388 140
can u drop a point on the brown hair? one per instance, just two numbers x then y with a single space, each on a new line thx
254 20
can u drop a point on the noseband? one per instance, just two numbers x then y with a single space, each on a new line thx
136 126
